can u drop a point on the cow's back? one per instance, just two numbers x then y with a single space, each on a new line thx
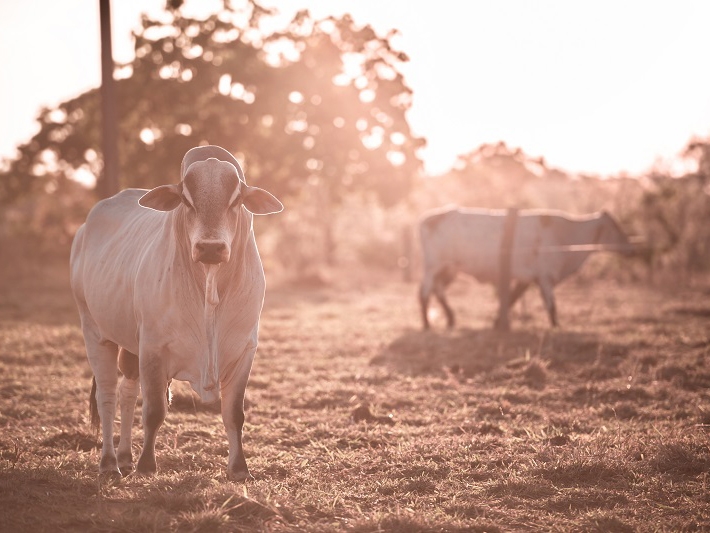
467 240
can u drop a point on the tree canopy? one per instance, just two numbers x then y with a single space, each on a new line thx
319 101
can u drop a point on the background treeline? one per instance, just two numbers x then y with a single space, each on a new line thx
316 111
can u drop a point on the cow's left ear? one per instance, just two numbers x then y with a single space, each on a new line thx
163 198
261 202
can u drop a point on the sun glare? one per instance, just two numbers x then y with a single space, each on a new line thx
549 84
85 177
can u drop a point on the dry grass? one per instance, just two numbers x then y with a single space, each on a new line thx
358 421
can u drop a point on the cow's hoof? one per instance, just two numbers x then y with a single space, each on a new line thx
146 467
125 463
146 472
110 478
239 475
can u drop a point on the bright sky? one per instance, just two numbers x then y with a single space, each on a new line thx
597 87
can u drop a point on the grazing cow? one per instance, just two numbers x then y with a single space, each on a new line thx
546 247
169 285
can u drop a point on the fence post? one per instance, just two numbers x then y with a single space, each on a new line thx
504 260
405 260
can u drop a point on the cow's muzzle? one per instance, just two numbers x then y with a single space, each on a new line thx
211 252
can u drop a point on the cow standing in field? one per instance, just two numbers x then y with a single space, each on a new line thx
546 248
169 285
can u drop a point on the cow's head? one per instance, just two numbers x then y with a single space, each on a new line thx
610 232
211 195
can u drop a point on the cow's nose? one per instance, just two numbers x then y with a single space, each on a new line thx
211 252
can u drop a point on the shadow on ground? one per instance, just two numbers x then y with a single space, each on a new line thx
476 351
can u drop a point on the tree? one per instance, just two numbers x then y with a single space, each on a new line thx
496 175
676 216
699 150
319 102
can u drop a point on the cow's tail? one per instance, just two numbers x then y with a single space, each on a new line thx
94 407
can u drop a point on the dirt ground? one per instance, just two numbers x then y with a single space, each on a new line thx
359 421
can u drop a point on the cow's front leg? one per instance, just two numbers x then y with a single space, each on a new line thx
518 291
501 322
154 383
233 390
443 279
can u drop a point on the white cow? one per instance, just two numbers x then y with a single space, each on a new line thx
169 285
547 247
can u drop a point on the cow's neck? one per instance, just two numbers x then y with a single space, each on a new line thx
589 232
210 286
598 230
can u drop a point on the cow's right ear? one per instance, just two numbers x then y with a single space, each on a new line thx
163 198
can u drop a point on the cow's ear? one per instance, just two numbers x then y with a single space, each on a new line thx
261 202
163 198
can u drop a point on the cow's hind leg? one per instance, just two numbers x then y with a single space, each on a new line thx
154 383
424 293
233 390
443 279
127 396
102 357
546 289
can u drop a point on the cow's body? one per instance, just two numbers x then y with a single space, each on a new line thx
175 313
542 250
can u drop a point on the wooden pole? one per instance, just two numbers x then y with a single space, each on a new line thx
405 260
108 184
505 258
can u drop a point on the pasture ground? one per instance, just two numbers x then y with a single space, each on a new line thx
359 421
